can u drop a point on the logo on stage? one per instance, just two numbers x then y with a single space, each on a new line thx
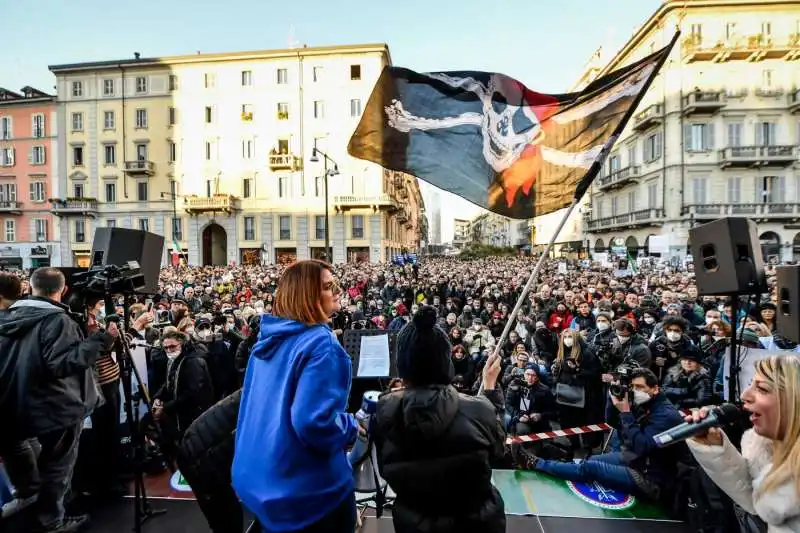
178 483
596 494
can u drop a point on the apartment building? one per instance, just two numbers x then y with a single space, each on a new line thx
233 156
28 164
717 134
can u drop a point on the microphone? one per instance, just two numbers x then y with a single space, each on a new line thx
717 416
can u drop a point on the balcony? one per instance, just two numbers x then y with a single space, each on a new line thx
703 102
284 162
219 203
757 156
618 178
382 201
140 168
794 101
651 116
11 208
755 47
634 219
86 207
783 211
768 92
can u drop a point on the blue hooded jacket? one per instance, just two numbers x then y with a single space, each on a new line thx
290 467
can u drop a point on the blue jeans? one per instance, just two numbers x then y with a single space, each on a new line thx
606 469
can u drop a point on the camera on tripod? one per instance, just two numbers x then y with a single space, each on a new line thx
623 375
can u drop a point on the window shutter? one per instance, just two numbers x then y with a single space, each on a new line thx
780 189
709 140
687 137
30 154
659 145
33 125
44 155
759 134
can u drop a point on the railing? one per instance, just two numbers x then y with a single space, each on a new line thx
618 177
794 100
8 206
282 161
758 154
768 92
221 202
647 117
633 218
704 101
777 209
364 201
140 166
74 205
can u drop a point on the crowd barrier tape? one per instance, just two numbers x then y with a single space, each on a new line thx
569 432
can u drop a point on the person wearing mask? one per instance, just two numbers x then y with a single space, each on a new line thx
418 428
290 466
601 338
649 319
627 348
688 384
669 346
764 477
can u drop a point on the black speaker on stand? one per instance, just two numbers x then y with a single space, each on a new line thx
787 316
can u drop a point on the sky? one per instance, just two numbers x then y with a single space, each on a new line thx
543 44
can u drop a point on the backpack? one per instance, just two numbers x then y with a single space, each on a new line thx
703 506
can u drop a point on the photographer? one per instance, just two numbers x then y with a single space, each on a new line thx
51 389
635 464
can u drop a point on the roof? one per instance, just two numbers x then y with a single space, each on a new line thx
27 95
141 62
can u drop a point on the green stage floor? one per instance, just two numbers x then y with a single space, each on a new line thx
535 493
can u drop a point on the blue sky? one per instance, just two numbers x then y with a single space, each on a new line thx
544 44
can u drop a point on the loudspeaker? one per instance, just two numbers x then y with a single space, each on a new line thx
727 257
117 246
787 319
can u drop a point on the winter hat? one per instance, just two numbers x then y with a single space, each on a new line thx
423 351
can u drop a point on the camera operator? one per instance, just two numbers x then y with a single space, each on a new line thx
52 388
635 464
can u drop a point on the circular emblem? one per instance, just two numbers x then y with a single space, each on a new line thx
178 483
596 494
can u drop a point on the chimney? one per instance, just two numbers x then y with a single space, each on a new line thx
137 55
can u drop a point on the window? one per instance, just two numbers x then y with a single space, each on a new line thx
319 227
249 228
144 224
285 222
110 154
141 191
631 201
696 32
767 78
111 192
6 157
735 134
319 186
6 131
773 190
283 111
317 74
141 152
111 223
247 187
319 109
699 137
358 226
614 206
766 29
80 230
141 119
614 164
37 155
283 187
730 30
40 229
209 80
78 190
765 133
282 76
283 146
109 120
700 190
77 89
355 72
38 190
37 126
652 195
209 114
77 156
173 82
8 192
247 78
651 148
247 111
141 85
734 190
355 107
177 229
210 151
172 119
11 230
632 155
77 122
108 87
209 188
172 151
247 149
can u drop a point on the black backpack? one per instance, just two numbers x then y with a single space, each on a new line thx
700 503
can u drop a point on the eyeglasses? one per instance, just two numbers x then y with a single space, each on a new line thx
171 347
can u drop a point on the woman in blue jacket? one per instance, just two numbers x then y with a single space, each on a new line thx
290 466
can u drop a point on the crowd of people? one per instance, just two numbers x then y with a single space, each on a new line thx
581 330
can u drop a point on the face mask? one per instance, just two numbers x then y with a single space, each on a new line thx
173 355
603 326
101 314
640 397
673 336
622 340
568 342
649 320
595 312
204 334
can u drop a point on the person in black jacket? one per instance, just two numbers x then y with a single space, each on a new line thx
47 389
435 446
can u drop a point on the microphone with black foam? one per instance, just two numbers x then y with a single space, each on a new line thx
717 416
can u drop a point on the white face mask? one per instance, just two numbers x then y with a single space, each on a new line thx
640 397
603 326
610 313
649 320
568 342
173 355
622 340
709 320
673 336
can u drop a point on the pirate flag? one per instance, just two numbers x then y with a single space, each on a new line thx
489 139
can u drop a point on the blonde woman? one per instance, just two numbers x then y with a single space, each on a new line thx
764 479
577 384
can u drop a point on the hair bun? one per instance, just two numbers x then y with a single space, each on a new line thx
425 317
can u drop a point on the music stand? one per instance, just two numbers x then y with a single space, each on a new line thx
351 341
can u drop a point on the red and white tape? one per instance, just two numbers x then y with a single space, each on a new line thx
580 430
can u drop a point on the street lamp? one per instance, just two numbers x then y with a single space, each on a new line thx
332 172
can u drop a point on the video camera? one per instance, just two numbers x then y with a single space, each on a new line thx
623 375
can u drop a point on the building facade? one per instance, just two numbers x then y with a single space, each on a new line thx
460 233
219 156
716 135
29 161
495 230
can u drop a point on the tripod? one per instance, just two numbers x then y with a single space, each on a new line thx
142 510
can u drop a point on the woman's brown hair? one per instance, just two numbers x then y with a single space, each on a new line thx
299 292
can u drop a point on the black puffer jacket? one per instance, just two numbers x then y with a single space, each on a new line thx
188 390
46 376
435 449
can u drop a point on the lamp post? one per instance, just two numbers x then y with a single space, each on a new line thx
332 172
174 197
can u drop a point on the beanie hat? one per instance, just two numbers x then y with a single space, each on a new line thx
423 351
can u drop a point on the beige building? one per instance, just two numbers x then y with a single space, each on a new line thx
230 147
717 134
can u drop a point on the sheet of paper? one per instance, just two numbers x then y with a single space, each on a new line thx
373 360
